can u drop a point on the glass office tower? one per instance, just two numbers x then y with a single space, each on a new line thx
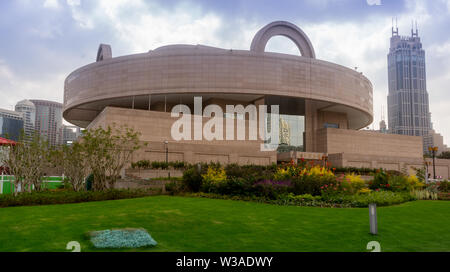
408 106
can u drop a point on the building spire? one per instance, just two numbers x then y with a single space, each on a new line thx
417 30
414 34
394 32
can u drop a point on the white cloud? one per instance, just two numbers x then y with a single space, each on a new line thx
78 15
14 88
73 2
51 4
138 26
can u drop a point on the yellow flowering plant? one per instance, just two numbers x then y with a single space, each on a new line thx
294 171
364 191
214 175
414 182
353 183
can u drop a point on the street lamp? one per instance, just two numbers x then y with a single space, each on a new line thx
325 159
166 145
433 150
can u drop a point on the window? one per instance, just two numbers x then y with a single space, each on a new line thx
330 125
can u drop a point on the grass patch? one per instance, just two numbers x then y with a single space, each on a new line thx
201 224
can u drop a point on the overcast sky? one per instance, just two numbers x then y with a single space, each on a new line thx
42 41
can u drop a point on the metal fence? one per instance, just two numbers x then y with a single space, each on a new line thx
7 183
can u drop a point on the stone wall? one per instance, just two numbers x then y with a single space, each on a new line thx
368 143
156 128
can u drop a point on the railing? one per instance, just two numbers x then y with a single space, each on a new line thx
7 183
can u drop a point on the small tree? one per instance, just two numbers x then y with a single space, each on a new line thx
37 160
14 162
96 144
27 161
124 142
108 151
74 163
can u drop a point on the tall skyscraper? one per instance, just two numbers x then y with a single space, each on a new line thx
408 106
29 116
11 124
49 121
70 134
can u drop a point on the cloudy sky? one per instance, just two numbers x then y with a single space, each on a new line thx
42 41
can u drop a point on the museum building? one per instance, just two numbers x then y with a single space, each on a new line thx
322 105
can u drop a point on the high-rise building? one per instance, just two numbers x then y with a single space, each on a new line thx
49 121
436 140
11 124
383 126
70 134
29 115
408 106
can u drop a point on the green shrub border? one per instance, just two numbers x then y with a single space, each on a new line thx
356 201
67 197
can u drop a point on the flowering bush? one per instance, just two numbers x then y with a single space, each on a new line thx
293 171
403 183
414 182
345 184
380 180
214 175
353 183
444 186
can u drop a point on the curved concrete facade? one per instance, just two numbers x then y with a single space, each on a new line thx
146 86
185 69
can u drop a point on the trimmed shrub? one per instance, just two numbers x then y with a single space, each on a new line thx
192 179
311 184
272 189
252 173
174 187
66 196
398 183
233 186
444 186
156 165
382 198
380 180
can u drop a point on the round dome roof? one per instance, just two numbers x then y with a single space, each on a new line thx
26 102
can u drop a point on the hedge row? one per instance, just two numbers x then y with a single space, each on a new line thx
68 196
355 201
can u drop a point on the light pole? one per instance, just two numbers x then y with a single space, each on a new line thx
325 160
166 145
433 150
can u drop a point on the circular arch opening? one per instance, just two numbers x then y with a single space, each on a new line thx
283 45
281 28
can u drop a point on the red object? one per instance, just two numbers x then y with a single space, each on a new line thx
4 141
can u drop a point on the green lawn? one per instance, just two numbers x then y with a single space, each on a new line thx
200 224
